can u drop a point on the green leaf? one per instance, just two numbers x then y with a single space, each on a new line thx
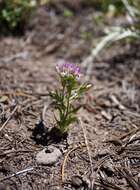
70 119
67 13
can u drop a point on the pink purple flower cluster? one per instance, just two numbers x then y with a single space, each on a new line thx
65 68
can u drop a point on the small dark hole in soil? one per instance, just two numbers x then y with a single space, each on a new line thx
109 172
49 150
44 136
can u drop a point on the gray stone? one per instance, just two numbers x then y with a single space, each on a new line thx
48 156
76 181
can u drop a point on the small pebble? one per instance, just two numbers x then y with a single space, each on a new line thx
76 181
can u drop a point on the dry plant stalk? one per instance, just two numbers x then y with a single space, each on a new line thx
89 153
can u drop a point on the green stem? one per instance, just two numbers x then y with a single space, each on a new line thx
68 104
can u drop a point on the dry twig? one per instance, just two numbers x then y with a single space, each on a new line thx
65 160
17 173
12 113
89 153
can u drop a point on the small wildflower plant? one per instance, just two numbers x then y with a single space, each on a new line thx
64 98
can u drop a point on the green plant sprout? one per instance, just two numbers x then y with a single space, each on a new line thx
15 12
64 98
